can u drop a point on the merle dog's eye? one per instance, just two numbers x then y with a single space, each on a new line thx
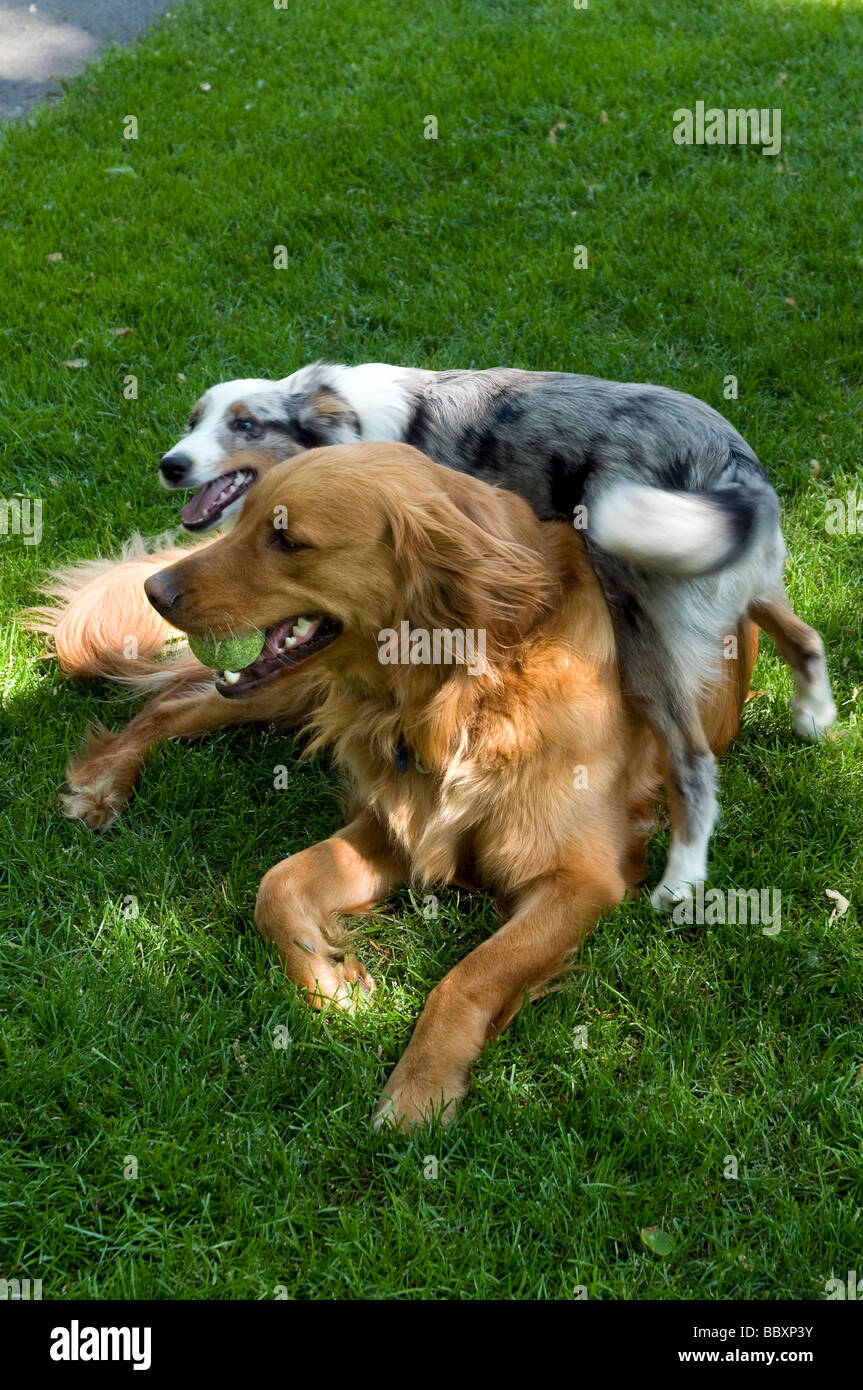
244 426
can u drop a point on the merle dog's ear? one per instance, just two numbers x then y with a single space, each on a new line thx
324 417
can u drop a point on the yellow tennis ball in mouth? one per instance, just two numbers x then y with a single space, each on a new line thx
229 653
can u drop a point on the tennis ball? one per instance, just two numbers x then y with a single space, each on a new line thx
230 653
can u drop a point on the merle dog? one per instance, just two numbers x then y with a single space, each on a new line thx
682 523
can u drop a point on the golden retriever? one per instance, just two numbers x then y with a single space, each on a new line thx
527 774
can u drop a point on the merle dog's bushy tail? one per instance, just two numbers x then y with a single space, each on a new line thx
683 533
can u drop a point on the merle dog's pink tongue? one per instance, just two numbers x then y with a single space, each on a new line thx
202 502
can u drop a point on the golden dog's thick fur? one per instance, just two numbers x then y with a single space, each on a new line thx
98 623
533 779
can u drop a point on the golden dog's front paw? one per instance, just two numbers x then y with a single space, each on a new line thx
419 1094
343 984
98 802
100 780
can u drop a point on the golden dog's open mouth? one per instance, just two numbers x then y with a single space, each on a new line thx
211 501
288 644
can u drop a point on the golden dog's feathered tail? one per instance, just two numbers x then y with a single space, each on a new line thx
99 622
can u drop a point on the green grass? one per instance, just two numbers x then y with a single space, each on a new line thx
154 1035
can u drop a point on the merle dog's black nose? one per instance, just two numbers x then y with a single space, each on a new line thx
162 592
174 468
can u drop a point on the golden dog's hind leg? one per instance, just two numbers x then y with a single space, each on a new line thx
480 995
301 899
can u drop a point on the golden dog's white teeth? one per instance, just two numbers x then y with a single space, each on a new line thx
302 627
230 677
287 643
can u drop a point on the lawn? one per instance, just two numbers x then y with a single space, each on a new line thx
175 1122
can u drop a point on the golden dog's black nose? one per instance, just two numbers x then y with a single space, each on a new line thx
162 591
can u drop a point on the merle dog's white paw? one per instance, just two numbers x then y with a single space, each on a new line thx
667 896
812 717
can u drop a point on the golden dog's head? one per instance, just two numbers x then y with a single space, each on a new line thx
347 541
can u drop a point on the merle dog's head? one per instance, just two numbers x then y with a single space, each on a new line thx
267 420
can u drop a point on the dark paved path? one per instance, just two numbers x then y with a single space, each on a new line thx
44 39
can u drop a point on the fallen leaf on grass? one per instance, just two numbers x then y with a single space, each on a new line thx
842 904
121 332
552 134
74 362
660 1242
54 256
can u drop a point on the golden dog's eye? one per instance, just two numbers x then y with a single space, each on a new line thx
282 541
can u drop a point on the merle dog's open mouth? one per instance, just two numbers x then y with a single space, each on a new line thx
212 500
288 644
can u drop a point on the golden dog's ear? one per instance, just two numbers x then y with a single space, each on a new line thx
464 567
